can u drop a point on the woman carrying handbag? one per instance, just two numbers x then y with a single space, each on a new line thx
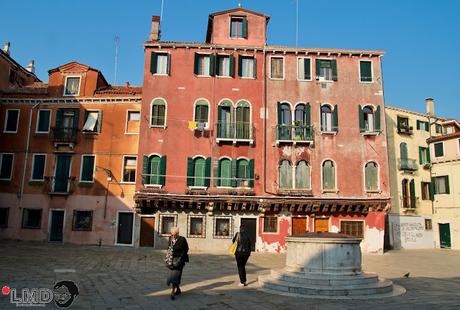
242 251
176 257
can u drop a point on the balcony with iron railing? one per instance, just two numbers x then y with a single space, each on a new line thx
235 132
406 164
293 134
59 186
64 134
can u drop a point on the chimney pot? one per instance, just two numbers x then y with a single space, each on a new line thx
31 66
429 104
155 32
6 47
127 83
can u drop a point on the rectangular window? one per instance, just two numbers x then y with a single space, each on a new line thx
166 223
6 166
441 185
247 67
87 168
222 227
304 69
197 226
238 27
223 65
38 167
11 121
72 86
352 228
203 65
31 218
129 169
428 224
133 121
277 68
403 125
424 155
93 121
426 190
82 220
270 224
365 71
43 121
421 125
326 69
438 128
439 149
4 213
162 63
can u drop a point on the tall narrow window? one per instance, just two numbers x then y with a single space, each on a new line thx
224 120
225 172
87 168
158 113
129 169
132 121
11 121
38 167
93 122
72 86
303 69
203 64
198 171
403 151
6 166
242 119
154 170
371 176
277 68
438 149
4 214
284 127
365 71
201 112
223 65
326 118
368 118
238 27
285 175
328 175
302 175
43 121
243 173
247 66
162 64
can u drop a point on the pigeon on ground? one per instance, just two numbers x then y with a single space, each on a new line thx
407 275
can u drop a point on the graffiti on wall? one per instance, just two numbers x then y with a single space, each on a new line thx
409 232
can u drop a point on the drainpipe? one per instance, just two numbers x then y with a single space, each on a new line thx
429 113
21 193
264 85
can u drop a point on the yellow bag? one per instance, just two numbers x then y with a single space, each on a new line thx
233 248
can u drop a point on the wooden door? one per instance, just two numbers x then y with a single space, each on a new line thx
57 226
321 224
147 231
299 225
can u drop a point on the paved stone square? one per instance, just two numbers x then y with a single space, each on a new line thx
130 278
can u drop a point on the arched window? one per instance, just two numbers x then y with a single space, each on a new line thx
225 172
284 122
302 175
285 174
224 120
328 175
201 111
326 118
199 165
158 113
371 179
154 170
243 121
403 151
154 162
302 131
242 173
369 122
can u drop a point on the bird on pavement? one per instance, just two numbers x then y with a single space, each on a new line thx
407 275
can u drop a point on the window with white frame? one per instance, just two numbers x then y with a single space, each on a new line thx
365 71
223 66
222 227
202 113
326 118
371 178
6 166
247 67
38 167
167 222
11 121
328 175
160 63
196 226
270 224
158 113
203 64
277 68
72 86
303 69
93 122
302 175
82 220
132 121
129 169
87 168
285 175
43 121
326 69
238 27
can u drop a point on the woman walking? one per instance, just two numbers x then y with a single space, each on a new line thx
242 253
176 257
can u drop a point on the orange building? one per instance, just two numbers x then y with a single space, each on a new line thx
68 154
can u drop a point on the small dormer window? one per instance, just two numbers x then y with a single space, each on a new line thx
72 86
238 27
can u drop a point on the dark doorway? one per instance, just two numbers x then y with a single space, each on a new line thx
125 228
444 235
57 226
251 230
147 231
299 225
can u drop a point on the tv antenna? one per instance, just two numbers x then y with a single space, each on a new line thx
296 23
117 45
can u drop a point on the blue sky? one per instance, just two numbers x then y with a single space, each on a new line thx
420 37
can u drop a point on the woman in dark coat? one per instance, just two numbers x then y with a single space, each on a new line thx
243 251
176 257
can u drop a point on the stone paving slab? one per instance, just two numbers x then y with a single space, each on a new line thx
130 278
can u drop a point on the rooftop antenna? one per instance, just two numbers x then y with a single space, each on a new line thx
296 23
117 45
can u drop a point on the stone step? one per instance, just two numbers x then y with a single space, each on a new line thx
383 286
324 280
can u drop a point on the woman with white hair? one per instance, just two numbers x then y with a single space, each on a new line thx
176 257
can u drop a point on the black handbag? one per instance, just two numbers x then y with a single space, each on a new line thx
175 263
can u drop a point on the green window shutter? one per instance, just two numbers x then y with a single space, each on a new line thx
87 168
207 172
162 177
420 155
76 118
168 64
317 65
432 189
240 66
212 64
216 172
419 124
59 115
428 158
145 169
361 119
412 193
433 186
255 67
377 119
99 121
422 188
335 119
190 172
232 66
38 168
251 173
447 184
153 63
234 169
280 116
334 69
427 126
195 64
245 28
307 117
306 68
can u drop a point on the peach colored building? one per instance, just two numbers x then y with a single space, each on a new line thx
284 140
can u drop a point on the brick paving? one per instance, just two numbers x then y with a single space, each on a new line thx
129 278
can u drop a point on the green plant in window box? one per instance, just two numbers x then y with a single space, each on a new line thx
297 123
297 138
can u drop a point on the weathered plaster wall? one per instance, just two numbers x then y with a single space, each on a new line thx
409 232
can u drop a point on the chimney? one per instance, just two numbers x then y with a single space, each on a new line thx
31 66
127 84
6 47
429 103
155 32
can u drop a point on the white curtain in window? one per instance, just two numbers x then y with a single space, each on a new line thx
91 121
162 64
